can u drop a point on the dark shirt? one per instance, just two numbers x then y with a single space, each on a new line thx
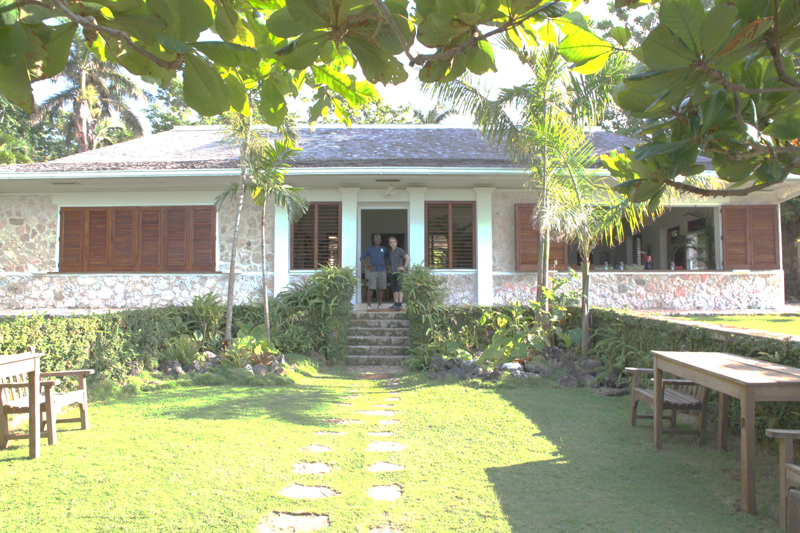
396 259
377 256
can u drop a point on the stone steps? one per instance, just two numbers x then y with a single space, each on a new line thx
379 323
395 361
382 340
378 332
380 315
377 350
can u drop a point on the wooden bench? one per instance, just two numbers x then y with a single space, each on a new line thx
679 395
14 400
789 476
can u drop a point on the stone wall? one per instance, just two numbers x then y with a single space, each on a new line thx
248 253
118 291
503 231
461 288
640 290
28 233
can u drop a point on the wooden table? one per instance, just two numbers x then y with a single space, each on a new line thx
27 362
749 380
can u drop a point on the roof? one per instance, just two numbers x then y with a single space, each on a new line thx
398 146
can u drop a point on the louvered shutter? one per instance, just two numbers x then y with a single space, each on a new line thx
123 239
764 231
303 240
175 237
328 235
437 236
735 237
97 239
150 249
203 239
527 243
462 235
72 225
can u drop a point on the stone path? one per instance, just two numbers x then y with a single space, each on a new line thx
280 521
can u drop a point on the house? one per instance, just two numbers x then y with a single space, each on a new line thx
134 225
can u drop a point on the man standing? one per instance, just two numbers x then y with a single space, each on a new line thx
398 262
376 270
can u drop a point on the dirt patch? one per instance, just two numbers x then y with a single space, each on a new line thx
278 522
311 469
328 433
316 448
388 422
341 421
303 492
377 413
385 447
385 467
380 433
385 492
376 376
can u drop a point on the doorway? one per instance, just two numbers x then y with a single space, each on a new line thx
389 222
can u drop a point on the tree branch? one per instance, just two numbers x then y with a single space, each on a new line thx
717 77
23 3
116 34
719 192
386 16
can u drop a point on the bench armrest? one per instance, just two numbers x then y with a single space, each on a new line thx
634 370
67 373
24 384
784 433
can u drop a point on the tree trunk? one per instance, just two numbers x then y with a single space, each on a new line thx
586 344
245 147
544 245
264 267
81 135
791 259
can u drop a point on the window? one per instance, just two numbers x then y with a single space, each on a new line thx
527 243
138 239
450 234
750 237
316 237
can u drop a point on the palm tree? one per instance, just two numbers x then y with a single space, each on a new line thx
263 165
94 89
435 115
108 131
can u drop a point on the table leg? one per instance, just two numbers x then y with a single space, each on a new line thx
722 424
34 412
658 403
749 453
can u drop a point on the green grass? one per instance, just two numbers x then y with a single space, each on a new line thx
517 458
786 324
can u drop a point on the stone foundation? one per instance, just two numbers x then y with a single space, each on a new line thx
28 233
119 291
642 290
461 288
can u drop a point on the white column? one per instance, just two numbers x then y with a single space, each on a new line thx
718 237
280 251
483 254
349 226
416 224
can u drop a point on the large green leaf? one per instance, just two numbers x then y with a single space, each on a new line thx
683 18
481 58
715 27
439 29
225 21
237 94
344 85
654 81
304 51
203 88
377 68
273 105
582 46
621 34
283 24
8 13
313 12
194 17
229 54
57 47
785 127
648 150
662 50
13 44
15 85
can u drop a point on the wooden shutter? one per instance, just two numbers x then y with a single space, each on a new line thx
176 238
203 239
123 239
150 251
527 243
462 235
97 240
72 223
735 237
437 235
303 240
328 235
764 229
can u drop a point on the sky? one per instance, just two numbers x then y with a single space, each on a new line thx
509 72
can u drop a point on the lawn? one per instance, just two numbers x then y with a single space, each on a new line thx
786 324
517 458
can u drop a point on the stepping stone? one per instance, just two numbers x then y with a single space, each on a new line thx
315 448
377 413
350 397
385 467
341 422
303 492
278 522
380 433
384 407
385 447
385 492
392 399
383 529
312 469
328 433
388 422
